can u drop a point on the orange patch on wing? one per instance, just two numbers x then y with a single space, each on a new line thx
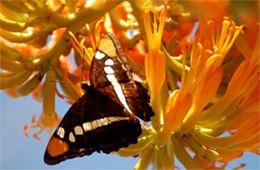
106 45
57 147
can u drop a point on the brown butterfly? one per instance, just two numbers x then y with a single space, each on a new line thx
104 118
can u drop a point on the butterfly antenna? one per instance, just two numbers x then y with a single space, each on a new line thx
84 50
79 46
83 64
98 30
92 40
60 81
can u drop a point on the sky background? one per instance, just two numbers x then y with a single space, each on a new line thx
19 152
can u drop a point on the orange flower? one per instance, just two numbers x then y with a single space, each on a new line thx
12 92
237 112
173 39
200 86
155 61
212 111
226 157
49 118
137 53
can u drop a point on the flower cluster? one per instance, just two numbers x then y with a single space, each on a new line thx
201 68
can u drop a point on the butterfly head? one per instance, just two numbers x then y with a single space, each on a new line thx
85 86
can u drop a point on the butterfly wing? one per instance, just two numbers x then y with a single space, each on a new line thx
93 123
136 99
109 60
111 74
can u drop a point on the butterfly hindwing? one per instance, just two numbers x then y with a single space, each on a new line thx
136 97
93 123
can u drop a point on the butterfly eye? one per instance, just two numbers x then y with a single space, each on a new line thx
85 86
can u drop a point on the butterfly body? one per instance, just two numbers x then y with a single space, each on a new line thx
104 118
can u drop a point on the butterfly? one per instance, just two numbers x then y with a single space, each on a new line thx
104 119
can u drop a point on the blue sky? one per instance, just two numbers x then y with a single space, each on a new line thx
19 152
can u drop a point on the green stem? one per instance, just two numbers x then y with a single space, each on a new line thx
183 156
137 5
120 23
173 64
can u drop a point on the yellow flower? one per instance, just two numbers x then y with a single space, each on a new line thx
155 61
49 118
237 111
202 82
213 115
194 116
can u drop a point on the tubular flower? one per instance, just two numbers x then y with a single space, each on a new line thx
237 113
205 99
200 86
155 61
49 118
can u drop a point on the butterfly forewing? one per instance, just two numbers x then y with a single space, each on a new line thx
111 74
109 63
93 123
